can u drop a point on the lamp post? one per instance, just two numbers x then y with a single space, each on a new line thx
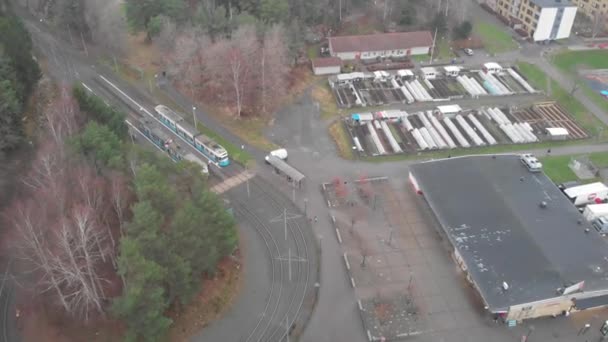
194 116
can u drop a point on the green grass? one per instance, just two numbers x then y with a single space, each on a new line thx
420 58
570 61
312 51
556 168
340 136
539 80
495 38
234 152
444 50
599 159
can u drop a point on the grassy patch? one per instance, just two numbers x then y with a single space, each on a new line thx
540 80
600 159
327 103
234 152
420 58
338 133
495 39
312 51
570 60
556 168
444 50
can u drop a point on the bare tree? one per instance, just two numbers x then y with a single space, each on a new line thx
231 62
107 25
274 68
598 22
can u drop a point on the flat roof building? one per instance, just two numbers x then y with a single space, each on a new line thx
396 44
542 19
523 245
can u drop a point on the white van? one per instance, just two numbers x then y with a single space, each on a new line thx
280 153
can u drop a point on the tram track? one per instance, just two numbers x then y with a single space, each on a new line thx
277 324
303 268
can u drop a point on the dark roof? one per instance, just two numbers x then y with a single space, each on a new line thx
326 62
381 41
285 168
594 302
553 3
495 221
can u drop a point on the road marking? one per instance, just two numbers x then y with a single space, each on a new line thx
92 92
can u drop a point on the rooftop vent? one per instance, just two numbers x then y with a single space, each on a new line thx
505 286
543 204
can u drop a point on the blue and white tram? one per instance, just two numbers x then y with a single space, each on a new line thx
216 153
168 117
212 150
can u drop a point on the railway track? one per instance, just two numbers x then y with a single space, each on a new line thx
285 298
282 312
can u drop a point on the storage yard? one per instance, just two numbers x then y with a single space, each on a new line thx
449 127
430 84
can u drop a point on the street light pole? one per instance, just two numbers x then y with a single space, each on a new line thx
194 116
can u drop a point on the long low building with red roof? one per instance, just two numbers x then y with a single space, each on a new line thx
397 44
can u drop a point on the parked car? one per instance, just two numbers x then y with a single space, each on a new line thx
468 52
531 162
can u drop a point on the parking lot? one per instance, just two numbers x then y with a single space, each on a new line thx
406 284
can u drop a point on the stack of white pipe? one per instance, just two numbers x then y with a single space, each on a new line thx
408 96
495 82
375 138
502 115
391 139
358 100
406 124
432 131
419 140
489 138
466 86
413 91
461 140
425 93
530 137
444 134
429 84
476 85
377 124
427 138
470 132
511 133
521 81
358 144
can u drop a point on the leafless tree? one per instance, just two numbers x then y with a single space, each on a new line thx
231 62
274 68
107 25
599 21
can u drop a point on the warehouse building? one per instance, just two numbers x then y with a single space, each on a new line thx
383 45
522 244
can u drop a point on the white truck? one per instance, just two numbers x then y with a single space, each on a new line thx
593 211
588 193
280 153
531 162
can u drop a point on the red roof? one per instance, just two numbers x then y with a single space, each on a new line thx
381 42
326 62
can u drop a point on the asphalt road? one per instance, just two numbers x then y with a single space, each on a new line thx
280 270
